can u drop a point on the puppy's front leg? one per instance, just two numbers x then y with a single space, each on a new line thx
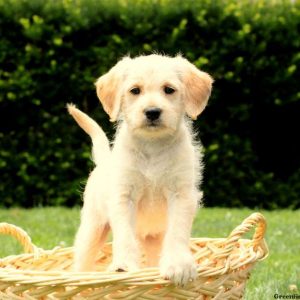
177 262
125 246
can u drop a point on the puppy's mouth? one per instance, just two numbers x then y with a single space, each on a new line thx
153 129
153 124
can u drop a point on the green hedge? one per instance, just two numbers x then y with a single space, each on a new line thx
51 52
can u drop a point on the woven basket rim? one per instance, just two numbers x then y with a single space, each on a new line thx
235 237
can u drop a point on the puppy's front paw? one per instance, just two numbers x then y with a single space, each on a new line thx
179 267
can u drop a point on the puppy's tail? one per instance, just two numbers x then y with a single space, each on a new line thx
101 149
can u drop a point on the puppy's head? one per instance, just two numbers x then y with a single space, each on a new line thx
152 93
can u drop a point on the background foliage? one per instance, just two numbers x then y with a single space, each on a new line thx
51 52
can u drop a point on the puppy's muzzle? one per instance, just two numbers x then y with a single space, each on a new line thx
152 114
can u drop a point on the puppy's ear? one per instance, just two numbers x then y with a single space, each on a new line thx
109 88
198 87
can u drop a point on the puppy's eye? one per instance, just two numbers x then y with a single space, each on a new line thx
168 90
135 91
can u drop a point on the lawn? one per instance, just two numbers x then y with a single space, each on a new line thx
49 227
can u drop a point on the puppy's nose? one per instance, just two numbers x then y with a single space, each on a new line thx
152 113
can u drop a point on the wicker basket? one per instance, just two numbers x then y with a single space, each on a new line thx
223 268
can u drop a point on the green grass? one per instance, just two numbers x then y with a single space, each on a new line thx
49 227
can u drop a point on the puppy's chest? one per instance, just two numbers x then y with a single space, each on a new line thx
155 178
155 172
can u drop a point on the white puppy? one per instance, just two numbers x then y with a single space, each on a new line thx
146 187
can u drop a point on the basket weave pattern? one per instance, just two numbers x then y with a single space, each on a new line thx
223 267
